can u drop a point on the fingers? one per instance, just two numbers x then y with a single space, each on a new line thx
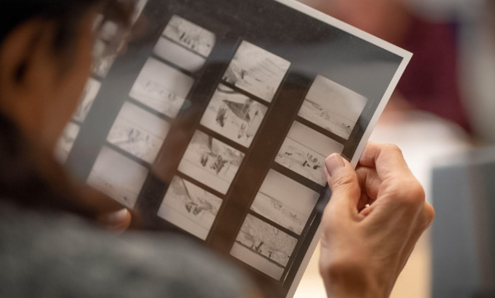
116 221
387 159
343 182
97 201
369 183
429 214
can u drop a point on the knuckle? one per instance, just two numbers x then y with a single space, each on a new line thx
409 193
393 149
429 214
342 180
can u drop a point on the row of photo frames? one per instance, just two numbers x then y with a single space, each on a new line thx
166 79
133 143
109 33
283 206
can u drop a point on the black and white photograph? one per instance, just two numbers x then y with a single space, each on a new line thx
117 176
185 44
190 207
333 107
304 151
263 247
234 115
190 36
138 132
285 201
211 162
161 87
86 102
256 71
66 142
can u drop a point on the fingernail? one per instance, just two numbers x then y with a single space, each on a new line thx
333 163
116 217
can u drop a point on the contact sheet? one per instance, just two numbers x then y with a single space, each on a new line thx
216 120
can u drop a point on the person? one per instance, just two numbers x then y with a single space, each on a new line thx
54 240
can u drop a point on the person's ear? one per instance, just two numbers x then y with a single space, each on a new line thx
28 71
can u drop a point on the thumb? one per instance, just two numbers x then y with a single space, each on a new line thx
343 182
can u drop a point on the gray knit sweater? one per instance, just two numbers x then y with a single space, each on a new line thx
49 256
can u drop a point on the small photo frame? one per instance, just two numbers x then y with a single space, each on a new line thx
190 207
138 132
161 87
234 115
285 202
118 177
185 44
263 247
333 107
304 152
190 36
256 71
211 162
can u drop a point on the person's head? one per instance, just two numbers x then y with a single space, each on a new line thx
45 59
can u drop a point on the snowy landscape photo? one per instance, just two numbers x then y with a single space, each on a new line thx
333 107
185 44
118 177
263 247
304 151
138 132
190 36
234 115
189 207
161 87
211 162
285 201
256 71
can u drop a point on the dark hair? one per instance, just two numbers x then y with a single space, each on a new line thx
29 177
65 13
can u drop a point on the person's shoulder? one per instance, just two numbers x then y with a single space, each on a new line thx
60 255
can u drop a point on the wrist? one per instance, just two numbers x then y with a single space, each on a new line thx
350 280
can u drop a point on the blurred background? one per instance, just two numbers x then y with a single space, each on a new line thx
442 115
